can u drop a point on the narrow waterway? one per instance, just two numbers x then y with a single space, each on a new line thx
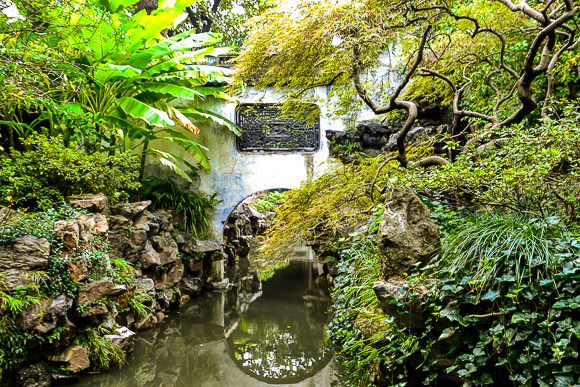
244 337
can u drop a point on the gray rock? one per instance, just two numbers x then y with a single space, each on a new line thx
390 293
165 245
192 245
407 235
190 285
13 279
94 291
171 277
93 203
130 210
145 286
249 211
149 257
118 290
96 310
76 358
117 222
60 306
159 220
141 222
26 252
35 375
417 136
123 337
30 316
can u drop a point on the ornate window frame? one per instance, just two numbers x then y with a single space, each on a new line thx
264 131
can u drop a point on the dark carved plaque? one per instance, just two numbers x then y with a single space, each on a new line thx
264 129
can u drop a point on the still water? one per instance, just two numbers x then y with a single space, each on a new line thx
245 337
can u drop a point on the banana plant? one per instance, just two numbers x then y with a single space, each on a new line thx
133 72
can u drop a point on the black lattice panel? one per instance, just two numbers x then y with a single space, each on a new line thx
263 129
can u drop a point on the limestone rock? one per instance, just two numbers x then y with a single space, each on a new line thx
171 277
118 290
68 233
30 316
117 222
407 235
146 323
195 265
94 291
35 375
389 293
145 286
13 279
165 245
123 337
130 210
162 219
164 298
75 357
59 306
26 252
190 245
94 310
97 204
190 285
141 222
79 269
149 257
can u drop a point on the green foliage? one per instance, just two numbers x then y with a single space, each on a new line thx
326 205
533 170
44 176
102 351
61 281
482 250
40 224
17 346
106 76
122 272
269 202
522 330
136 303
504 316
227 19
195 208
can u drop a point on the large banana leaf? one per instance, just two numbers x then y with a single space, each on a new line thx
206 115
149 114
170 160
109 72
142 58
172 90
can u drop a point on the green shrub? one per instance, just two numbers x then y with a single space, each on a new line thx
102 351
531 169
269 201
43 176
196 208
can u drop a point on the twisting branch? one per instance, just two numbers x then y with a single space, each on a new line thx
395 104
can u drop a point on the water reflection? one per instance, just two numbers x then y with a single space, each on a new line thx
281 338
245 337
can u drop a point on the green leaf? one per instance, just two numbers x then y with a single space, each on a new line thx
446 333
202 114
149 114
491 295
109 71
173 90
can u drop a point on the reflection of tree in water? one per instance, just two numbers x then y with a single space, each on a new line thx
283 339
273 350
